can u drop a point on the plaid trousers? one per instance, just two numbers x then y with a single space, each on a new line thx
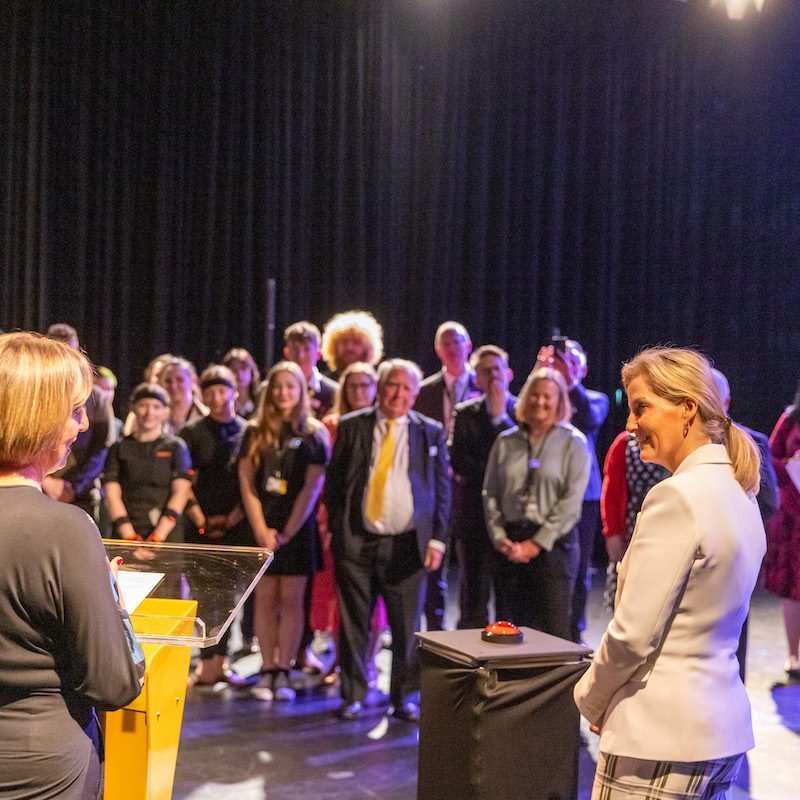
623 778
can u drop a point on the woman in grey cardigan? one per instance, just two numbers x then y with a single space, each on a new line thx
532 493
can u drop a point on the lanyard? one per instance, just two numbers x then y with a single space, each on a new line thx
453 393
534 461
287 444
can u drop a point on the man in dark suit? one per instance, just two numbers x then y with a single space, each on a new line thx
454 382
388 498
477 423
301 345
438 396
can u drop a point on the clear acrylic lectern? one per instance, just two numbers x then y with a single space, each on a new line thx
198 591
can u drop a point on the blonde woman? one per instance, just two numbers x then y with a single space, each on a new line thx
281 473
63 644
179 378
533 493
664 690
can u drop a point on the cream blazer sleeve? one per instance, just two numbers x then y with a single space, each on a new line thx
652 577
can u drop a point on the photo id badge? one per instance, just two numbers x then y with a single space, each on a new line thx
277 485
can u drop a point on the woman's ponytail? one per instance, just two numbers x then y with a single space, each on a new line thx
745 458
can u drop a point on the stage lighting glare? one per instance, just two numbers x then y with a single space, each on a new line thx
738 8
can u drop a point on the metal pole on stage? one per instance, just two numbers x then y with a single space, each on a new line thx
269 328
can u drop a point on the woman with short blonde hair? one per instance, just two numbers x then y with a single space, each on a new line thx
533 488
40 388
64 649
563 412
664 690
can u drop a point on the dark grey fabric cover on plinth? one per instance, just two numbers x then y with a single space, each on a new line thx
493 733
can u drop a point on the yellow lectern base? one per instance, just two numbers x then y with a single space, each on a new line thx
141 740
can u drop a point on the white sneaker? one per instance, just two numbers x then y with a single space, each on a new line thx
322 643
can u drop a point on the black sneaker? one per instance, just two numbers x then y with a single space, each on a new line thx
263 690
350 712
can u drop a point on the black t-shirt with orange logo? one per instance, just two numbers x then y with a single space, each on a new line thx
145 471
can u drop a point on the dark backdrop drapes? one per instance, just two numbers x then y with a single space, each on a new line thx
627 170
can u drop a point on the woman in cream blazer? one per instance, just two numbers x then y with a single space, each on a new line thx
664 690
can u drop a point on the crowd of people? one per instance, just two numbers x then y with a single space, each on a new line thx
367 481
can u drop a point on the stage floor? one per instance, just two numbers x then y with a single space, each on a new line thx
234 747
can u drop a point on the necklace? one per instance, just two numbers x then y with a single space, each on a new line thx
535 448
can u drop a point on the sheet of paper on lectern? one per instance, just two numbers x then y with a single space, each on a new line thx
135 586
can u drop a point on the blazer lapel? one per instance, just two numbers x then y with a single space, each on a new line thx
415 445
362 451
416 456
622 567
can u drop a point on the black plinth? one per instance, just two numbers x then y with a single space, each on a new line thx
498 721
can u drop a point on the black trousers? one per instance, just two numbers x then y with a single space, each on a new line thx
588 527
388 566
479 564
540 592
436 596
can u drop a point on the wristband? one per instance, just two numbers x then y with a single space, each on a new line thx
117 523
170 514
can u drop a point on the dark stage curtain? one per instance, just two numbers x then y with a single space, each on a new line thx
626 170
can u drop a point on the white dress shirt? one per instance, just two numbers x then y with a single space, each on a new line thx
398 500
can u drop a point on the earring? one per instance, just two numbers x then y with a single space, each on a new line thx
685 429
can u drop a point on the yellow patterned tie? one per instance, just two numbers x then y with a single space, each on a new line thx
377 485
